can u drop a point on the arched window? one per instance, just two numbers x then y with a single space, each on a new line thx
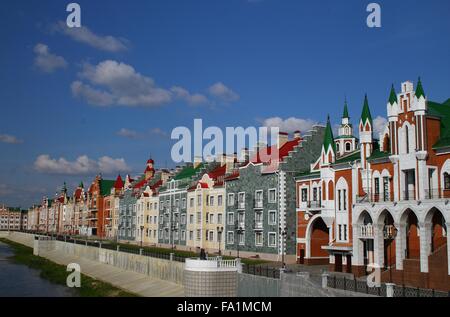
337 147
348 146
446 181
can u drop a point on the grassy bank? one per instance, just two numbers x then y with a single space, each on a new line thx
57 274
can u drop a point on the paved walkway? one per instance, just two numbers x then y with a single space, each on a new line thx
136 283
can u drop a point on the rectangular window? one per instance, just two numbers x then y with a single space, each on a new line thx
344 198
345 232
304 194
259 196
219 200
230 200
340 232
230 237
241 237
272 195
199 200
211 218
183 235
191 219
199 235
315 194
183 219
272 239
272 217
241 199
191 202
183 203
211 236
219 218
211 200
191 235
258 239
230 218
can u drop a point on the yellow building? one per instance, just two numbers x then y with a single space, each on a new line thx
206 212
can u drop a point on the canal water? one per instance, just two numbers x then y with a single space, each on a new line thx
21 281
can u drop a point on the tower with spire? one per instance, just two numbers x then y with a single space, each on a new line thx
366 144
345 141
329 145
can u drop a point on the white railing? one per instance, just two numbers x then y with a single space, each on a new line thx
366 231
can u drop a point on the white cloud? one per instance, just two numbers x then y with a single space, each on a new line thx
191 99
85 35
159 132
46 61
10 139
222 92
379 124
289 125
127 133
91 95
81 166
122 86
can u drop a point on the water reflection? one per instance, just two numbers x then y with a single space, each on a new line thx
19 280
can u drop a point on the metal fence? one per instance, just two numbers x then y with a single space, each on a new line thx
261 270
359 286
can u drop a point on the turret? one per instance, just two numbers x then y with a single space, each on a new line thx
365 133
328 146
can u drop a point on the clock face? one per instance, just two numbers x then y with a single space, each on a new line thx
306 217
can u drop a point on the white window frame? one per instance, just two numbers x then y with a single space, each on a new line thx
268 239
262 239
231 195
230 233
268 195
268 219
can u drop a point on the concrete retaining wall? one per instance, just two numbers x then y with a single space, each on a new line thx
162 269
257 286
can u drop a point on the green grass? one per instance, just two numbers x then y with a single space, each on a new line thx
57 274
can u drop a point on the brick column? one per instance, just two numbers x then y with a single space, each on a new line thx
400 246
378 244
425 241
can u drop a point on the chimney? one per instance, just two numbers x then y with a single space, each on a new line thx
282 139
297 134
229 162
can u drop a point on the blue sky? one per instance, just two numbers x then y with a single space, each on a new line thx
231 63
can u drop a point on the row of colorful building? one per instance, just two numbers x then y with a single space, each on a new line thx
347 201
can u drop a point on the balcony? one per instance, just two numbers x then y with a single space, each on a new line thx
258 204
408 195
314 204
366 231
389 232
433 194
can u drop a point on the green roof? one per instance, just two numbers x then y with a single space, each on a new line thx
393 96
307 173
105 186
441 111
345 114
328 138
366 112
349 158
81 185
188 172
377 154
419 89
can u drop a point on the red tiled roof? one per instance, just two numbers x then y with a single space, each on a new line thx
78 193
140 184
282 152
156 185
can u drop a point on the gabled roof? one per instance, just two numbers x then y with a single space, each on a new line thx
188 172
349 158
282 152
105 186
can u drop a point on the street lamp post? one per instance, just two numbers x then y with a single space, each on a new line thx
283 233
239 231
172 228
142 234
219 233
390 233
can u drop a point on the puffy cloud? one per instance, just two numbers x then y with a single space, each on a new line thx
85 35
81 166
222 92
289 125
379 124
127 133
91 95
46 61
10 139
191 99
122 86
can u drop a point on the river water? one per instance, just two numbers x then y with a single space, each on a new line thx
21 281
